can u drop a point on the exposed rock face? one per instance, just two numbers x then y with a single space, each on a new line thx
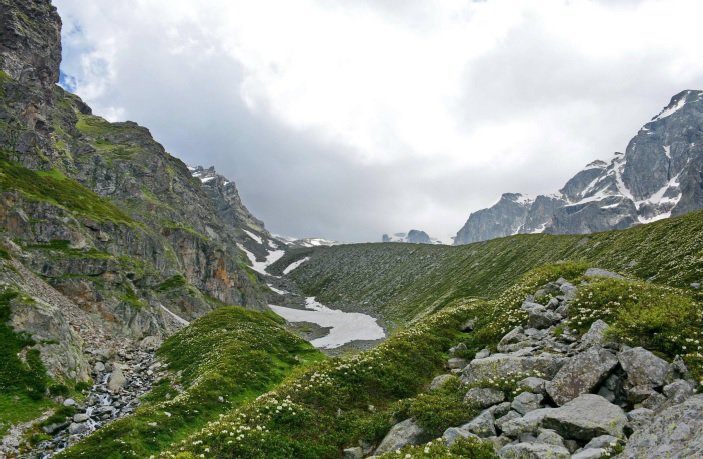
675 433
581 375
658 176
110 236
401 434
413 237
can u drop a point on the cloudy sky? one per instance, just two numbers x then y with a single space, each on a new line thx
346 119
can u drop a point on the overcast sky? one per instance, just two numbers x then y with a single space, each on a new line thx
346 119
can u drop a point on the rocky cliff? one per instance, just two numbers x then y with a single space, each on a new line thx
105 236
413 237
658 176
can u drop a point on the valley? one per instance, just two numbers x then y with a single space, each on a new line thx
146 312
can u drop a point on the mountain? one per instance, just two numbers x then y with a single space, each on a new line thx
657 177
413 237
107 239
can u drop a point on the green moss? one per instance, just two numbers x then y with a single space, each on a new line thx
55 188
18 407
224 359
63 249
24 376
172 283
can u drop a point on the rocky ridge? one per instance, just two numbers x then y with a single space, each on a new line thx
113 237
657 177
570 396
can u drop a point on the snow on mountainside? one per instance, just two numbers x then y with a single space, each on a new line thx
657 177
413 237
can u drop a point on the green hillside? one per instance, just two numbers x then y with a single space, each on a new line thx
401 282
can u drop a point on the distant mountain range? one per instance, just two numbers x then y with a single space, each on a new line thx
413 237
658 176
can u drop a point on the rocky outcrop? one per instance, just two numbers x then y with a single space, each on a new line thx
658 176
115 238
580 396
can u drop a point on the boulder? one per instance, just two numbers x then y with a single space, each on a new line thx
483 397
678 391
529 423
595 334
597 272
550 437
482 425
117 380
590 453
80 417
456 362
533 384
533 451
643 368
526 402
452 434
675 433
78 428
542 317
482 354
586 417
639 418
581 374
603 441
440 381
510 416
500 410
507 364
404 433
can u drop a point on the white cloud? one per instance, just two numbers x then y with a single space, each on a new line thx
348 119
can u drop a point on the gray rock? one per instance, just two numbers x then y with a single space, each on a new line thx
533 451
456 362
526 402
80 417
353 453
482 354
481 397
482 425
643 368
457 348
440 381
514 336
597 272
550 437
655 402
586 417
603 441
510 416
76 428
404 433
542 317
99 367
117 380
678 391
53 429
695 285
595 335
581 374
452 434
639 418
505 364
530 423
569 291
675 433
638 394
69 402
468 326
589 453
533 384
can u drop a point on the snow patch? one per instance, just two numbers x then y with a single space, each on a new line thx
668 111
276 290
206 179
667 151
345 326
178 318
294 265
253 236
260 266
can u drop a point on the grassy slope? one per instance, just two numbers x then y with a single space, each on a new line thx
231 353
404 281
